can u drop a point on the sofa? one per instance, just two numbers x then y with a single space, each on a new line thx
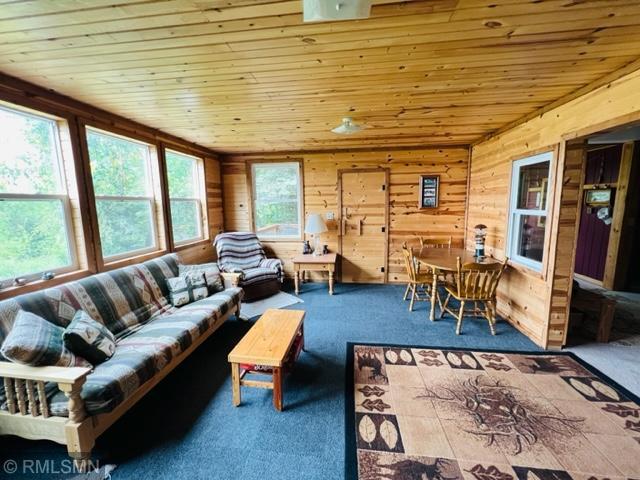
74 405
242 253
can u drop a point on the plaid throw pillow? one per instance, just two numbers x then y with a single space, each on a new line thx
211 274
36 342
187 288
89 339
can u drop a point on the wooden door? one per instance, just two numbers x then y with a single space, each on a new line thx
364 212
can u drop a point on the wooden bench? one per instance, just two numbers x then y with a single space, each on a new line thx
267 344
598 306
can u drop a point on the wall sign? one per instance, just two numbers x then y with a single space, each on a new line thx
428 191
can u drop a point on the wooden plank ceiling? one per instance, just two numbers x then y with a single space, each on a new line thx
249 75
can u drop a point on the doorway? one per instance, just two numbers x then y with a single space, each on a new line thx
605 305
364 224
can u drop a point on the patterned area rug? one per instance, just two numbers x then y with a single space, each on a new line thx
425 413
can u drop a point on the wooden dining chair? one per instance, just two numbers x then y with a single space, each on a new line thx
434 242
415 242
477 283
417 280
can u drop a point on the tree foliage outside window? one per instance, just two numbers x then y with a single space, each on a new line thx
120 169
184 194
35 234
276 199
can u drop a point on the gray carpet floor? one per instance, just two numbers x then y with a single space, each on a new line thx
187 427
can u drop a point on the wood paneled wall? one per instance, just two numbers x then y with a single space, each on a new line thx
74 116
406 220
538 303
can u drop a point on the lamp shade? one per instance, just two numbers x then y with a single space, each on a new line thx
315 224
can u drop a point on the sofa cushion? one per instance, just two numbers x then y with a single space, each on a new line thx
211 274
253 276
188 287
89 339
36 342
141 355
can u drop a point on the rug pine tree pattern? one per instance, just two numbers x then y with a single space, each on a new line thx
445 414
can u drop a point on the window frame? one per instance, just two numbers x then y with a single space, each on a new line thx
252 199
151 198
200 198
64 198
515 214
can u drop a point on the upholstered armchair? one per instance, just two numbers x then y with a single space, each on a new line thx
242 253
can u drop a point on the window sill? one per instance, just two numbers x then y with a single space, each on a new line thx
526 270
280 239
194 244
39 284
124 262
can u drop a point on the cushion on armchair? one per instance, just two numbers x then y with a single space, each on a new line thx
238 251
258 275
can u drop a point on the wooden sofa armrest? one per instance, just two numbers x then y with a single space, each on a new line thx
25 388
231 279
45 374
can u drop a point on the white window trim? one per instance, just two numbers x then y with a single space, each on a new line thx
516 213
299 200
149 198
62 197
199 172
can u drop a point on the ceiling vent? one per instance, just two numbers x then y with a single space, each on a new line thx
332 10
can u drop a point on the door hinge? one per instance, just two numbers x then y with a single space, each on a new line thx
382 269
384 229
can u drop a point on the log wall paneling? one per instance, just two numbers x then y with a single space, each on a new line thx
525 297
235 75
406 220
74 116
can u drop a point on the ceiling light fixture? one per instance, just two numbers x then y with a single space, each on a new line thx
347 127
332 10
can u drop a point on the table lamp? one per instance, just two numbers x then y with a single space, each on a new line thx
315 226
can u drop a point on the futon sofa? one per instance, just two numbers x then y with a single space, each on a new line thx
242 253
74 405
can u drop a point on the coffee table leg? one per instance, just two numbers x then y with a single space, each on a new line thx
277 388
296 281
235 379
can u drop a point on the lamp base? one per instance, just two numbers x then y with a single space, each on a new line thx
316 246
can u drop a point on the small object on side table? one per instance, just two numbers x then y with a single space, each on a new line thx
481 233
314 263
306 248
325 249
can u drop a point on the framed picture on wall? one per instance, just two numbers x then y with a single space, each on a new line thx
428 191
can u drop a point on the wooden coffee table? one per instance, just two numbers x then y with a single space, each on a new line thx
314 263
267 343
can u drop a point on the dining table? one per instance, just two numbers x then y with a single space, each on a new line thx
443 261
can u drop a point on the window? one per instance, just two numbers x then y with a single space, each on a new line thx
122 183
185 193
277 200
36 233
528 210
